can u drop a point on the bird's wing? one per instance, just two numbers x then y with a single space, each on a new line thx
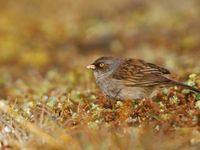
135 72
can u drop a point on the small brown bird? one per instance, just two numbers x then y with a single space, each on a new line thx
131 78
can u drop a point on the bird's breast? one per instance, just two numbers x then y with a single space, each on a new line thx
108 87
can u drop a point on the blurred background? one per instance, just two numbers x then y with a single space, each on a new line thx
67 34
46 90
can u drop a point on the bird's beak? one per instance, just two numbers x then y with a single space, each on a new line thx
91 67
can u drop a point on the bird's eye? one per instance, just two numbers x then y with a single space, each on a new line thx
101 65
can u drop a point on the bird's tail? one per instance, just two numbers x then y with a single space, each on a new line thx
185 86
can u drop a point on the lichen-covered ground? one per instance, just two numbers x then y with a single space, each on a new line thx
49 100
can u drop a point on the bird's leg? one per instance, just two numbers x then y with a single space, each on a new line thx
116 95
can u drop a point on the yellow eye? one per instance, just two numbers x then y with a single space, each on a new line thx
101 65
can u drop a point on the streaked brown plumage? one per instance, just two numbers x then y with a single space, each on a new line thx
131 78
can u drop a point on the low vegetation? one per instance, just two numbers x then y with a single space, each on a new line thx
49 100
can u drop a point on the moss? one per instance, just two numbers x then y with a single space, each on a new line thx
49 100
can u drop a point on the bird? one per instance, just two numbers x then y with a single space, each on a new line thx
131 79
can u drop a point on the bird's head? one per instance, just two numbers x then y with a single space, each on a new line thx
103 65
